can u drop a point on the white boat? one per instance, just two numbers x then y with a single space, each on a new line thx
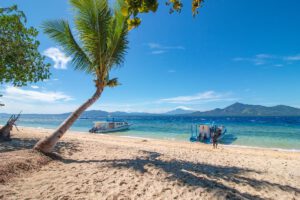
109 126
205 132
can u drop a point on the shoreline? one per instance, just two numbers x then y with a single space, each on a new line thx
183 141
101 166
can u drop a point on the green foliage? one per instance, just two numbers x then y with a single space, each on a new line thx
101 40
175 5
20 61
131 9
133 23
113 82
195 5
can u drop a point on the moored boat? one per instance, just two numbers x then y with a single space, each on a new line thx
205 132
109 126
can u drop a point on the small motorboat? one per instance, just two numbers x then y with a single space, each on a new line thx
109 126
205 132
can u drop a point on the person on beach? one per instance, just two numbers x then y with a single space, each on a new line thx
216 134
215 140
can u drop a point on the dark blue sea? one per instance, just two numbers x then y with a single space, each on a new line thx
270 132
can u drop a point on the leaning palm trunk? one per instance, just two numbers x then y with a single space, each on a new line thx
47 144
102 32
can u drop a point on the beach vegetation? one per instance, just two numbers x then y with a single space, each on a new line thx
20 60
132 9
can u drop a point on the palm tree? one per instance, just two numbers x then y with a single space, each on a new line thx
101 46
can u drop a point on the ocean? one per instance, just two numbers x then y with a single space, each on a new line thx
266 132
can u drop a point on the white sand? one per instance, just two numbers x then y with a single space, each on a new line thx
111 167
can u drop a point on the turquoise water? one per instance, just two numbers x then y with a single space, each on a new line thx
270 132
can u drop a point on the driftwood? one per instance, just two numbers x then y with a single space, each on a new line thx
6 129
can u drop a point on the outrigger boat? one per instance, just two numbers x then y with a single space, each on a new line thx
109 126
205 132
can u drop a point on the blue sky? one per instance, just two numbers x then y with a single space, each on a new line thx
246 51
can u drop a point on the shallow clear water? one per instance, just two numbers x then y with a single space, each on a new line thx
271 132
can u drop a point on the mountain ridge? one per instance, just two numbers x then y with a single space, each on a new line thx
236 109
240 109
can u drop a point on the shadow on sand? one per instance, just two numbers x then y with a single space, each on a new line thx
209 177
28 143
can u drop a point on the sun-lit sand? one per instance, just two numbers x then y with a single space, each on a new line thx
112 167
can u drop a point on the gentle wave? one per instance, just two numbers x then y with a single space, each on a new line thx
261 148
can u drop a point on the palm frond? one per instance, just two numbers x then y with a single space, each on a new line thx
92 20
102 34
60 32
117 41
113 82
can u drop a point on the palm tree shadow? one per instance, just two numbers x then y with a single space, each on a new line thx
201 175
28 143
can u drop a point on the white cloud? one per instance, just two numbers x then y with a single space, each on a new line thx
278 65
33 101
259 59
293 58
158 52
154 45
126 107
207 96
264 56
183 108
263 59
171 71
152 107
191 102
59 58
157 48
35 87
160 46
13 106
18 94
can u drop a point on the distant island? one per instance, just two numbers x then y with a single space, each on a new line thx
239 109
236 109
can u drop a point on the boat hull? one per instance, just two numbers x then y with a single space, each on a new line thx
118 129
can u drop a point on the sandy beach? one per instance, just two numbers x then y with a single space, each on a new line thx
111 167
